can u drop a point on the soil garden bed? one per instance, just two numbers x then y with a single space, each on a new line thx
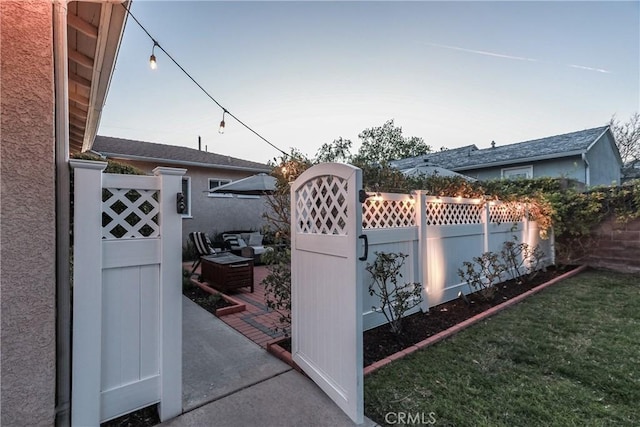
379 343
212 300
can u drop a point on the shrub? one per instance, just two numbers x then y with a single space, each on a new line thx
522 261
277 287
483 274
395 299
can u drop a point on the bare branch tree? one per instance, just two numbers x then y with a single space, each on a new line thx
627 137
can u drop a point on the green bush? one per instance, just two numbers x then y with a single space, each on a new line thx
395 299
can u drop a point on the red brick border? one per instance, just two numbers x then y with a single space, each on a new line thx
236 306
465 324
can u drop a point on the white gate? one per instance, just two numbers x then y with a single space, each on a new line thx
326 276
127 303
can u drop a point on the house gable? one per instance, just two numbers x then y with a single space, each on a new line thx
604 162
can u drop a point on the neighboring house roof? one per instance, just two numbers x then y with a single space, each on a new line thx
470 157
171 154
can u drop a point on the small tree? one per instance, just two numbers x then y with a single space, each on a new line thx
395 299
277 283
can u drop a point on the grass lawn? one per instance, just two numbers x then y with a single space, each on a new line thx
569 356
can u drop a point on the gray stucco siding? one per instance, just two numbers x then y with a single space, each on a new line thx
570 167
604 166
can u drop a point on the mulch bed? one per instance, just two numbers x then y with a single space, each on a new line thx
379 342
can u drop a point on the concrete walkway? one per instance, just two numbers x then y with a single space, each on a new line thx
228 380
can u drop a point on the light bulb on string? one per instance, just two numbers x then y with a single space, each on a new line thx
152 59
221 130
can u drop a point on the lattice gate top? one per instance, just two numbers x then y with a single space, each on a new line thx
321 206
130 213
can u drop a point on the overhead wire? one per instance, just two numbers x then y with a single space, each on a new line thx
225 110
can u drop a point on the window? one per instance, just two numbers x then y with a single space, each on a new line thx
186 190
217 182
519 172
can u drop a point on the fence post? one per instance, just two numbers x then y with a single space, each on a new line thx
423 261
87 292
170 293
486 217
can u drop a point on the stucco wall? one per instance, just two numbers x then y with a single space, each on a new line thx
27 210
604 167
214 215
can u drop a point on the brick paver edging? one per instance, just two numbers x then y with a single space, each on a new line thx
465 324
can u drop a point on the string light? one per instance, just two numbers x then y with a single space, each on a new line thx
152 62
152 59
221 130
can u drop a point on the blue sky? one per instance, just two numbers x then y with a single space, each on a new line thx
305 73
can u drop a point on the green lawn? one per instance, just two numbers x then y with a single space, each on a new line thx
568 356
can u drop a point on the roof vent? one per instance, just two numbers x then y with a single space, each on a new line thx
493 144
425 160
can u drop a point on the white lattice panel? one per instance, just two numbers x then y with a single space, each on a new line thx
129 213
379 213
440 213
502 213
321 206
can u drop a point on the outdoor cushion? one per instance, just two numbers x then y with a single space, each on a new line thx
202 243
234 240
255 239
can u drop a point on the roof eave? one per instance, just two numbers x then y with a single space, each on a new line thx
519 160
181 162
113 20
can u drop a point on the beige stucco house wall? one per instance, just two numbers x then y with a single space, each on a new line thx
27 214
50 105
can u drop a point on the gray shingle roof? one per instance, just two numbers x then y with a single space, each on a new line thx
127 148
470 157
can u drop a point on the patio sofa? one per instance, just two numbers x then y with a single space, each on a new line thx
248 244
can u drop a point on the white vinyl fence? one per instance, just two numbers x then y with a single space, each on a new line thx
439 234
127 303
335 234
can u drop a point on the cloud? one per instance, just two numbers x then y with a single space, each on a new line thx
582 67
483 52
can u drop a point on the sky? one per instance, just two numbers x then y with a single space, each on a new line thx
302 74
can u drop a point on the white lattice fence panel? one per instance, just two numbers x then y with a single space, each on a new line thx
321 206
380 212
439 212
129 213
501 213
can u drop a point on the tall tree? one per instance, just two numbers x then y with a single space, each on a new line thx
385 143
337 151
627 137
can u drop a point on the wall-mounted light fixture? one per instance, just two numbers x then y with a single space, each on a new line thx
363 195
